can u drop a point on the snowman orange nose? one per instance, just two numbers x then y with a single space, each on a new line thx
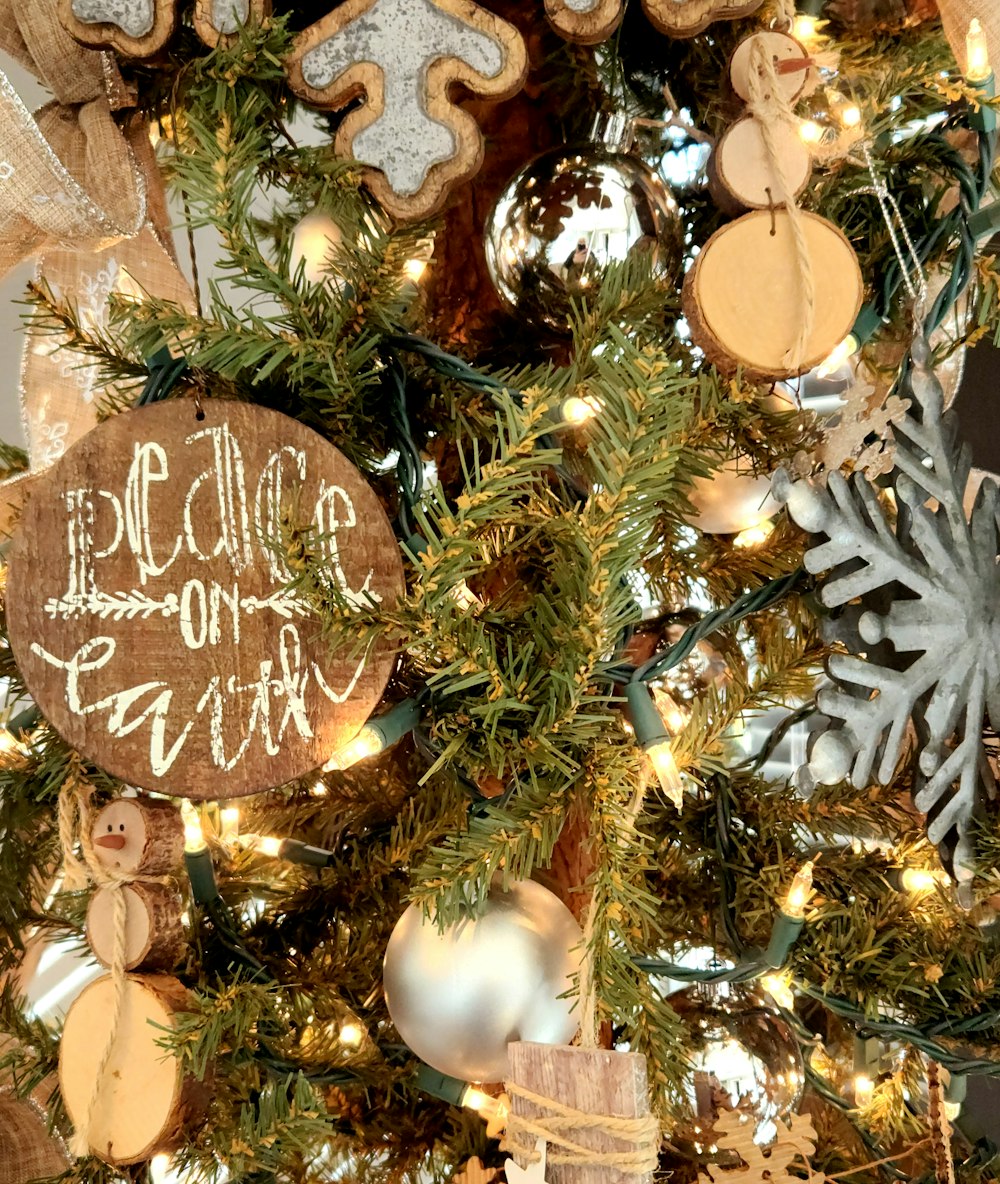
115 842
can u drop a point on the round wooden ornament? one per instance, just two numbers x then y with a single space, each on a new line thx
143 1100
154 932
742 176
742 299
791 60
148 599
139 836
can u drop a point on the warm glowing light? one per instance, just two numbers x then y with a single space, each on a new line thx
779 987
839 356
229 824
160 1169
313 239
977 53
576 410
493 1110
9 745
952 1110
476 1099
194 837
754 536
414 269
674 718
661 757
805 27
267 845
366 743
850 116
800 892
864 1089
918 879
352 1035
810 131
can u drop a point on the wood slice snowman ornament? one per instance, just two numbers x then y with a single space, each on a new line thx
126 1097
776 290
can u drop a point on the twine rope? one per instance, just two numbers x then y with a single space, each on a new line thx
560 1125
771 108
75 823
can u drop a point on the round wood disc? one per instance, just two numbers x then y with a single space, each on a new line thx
784 48
141 1103
741 165
148 605
743 302
154 933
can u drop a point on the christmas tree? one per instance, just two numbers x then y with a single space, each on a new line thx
498 620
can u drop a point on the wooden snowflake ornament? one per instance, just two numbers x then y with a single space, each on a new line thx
589 21
794 1144
403 56
473 1172
919 603
141 28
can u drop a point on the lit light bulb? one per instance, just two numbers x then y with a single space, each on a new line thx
850 116
661 757
229 824
414 269
194 837
365 744
313 239
351 1034
779 987
674 717
917 880
268 845
493 1110
977 53
800 892
810 131
577 410
754 536
805 27
838 356
864 1089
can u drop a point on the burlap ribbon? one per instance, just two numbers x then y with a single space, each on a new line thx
79 189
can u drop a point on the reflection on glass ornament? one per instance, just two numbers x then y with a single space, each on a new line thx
565 218
458 998
314 238
731 499
743 1056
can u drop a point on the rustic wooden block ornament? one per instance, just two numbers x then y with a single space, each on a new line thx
148 603
141 1100
596 1102
742 303
791 60
589 21
141 28
403 56
139 837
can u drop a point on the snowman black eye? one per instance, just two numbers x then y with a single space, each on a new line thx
122 826
110 827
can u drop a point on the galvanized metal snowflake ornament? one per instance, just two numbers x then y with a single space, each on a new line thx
919 588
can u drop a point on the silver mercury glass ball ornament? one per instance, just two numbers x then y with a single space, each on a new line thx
566 217
743 1056
458 998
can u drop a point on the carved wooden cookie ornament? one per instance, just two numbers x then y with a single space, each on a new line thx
403 56
149 605
141 28
590 21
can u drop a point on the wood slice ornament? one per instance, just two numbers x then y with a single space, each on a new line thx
142 1101
139 837
148 603
403 56
742 303
790 57
600 1099
154 931
142 28
742 177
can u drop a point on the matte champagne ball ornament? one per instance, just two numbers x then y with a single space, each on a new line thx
731 499
566 218
458 998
